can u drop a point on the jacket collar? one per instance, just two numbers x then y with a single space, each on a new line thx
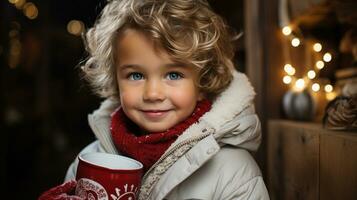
231 102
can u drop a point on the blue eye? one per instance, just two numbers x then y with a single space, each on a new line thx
135 76
174 76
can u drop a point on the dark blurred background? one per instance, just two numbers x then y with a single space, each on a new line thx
44 103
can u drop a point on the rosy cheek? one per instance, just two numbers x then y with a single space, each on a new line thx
184 98
127 98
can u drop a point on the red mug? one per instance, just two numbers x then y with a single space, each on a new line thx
103 176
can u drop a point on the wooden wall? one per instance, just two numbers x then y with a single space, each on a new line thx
306 161
263 61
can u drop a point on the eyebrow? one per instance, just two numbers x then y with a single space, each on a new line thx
169 65
126 66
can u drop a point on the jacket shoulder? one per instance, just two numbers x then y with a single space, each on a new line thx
230 171
234 165
240 176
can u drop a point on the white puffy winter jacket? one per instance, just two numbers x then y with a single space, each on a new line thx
210 160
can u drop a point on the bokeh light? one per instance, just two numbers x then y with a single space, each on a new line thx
287 79
19 4
327 57
328 88
320 64
75 27
300 84
311 74
315 87
30 10
286 30
295 42
289 69
317 47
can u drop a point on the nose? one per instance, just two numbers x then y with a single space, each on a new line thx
154 91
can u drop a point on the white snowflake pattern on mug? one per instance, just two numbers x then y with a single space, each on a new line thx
129 193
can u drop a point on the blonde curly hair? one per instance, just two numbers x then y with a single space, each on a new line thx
188 30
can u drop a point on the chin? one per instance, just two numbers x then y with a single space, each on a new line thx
153 129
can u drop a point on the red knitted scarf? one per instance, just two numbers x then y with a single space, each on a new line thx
148 148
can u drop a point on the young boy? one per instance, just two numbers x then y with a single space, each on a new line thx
174 101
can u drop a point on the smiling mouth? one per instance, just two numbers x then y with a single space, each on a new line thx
154 114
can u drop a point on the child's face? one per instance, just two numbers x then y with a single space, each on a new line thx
156 93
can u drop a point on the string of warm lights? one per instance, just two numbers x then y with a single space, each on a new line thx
299 84
29 9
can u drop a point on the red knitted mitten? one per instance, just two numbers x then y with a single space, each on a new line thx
61 192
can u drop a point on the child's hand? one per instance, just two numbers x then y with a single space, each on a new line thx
61 192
